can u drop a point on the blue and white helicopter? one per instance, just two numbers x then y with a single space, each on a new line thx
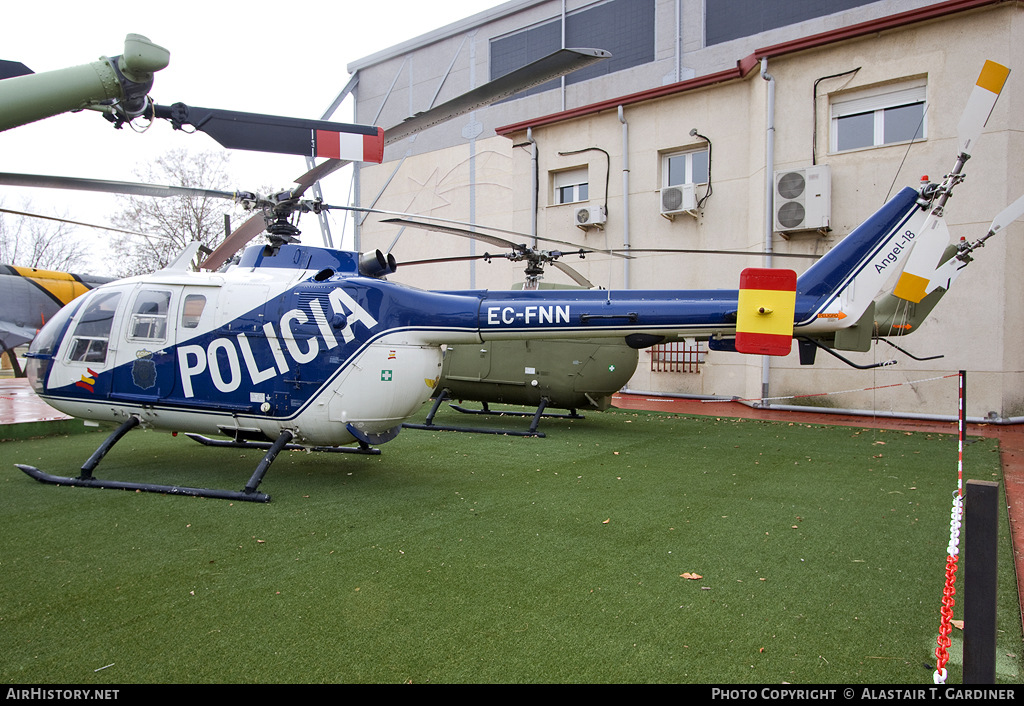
298 345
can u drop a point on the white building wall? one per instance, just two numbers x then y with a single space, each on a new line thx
462 169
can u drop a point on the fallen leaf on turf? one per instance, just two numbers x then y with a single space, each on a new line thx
607 521
688 575
958 624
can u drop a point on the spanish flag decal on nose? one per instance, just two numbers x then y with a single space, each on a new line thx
764 321
88 381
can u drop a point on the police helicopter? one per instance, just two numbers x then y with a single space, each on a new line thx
118 87
315 346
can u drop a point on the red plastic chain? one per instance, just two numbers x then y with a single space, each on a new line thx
945 626
953 550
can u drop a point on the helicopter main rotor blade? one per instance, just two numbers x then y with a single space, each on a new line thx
462 258
317 173
576 276
345 141
361 209
552 66
114 187
717 252
461 232
549 67
494 240
236 241
272 133
74 223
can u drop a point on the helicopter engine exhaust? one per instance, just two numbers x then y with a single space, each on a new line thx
376 264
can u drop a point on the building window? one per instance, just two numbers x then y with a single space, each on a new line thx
725 20
880 116
570 186
680 168
626 28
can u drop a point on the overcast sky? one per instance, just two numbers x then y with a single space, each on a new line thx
257 56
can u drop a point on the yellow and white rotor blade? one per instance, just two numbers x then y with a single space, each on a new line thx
950 270
929 244
980 104
919 276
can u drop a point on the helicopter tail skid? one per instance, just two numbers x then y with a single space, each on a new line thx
87 480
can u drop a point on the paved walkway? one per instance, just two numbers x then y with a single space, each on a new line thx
18 404
1011 446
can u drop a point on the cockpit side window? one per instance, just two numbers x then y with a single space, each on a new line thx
92 333
149 316
192 310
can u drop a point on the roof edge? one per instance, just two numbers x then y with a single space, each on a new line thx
442 33
747 64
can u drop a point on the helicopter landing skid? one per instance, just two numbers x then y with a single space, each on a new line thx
86 480
487 411
363 447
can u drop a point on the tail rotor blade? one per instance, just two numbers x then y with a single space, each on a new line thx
929 244
1007 216
980 104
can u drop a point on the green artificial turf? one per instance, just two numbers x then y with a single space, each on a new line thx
480 558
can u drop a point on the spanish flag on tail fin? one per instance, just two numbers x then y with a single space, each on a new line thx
764 321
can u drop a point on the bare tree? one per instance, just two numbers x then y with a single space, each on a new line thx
172 222
46 244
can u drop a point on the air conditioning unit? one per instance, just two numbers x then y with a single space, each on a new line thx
803 199
587 216
678 199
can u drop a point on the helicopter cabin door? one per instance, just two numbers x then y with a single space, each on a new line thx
145 369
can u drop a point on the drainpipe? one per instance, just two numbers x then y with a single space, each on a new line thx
562 90
769 169
534 182
679 40
625 197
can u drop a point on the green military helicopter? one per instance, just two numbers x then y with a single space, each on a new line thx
569 374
